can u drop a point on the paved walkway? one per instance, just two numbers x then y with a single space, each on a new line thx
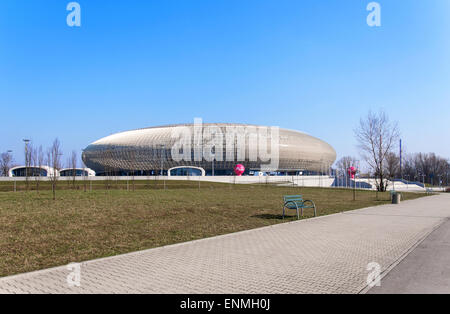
425 270
323 255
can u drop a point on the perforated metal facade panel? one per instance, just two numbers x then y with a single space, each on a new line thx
143 149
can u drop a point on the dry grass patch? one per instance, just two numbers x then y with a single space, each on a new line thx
37 233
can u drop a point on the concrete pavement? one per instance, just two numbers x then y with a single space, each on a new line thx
327 254
425 270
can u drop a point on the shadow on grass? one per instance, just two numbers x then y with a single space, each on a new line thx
272 217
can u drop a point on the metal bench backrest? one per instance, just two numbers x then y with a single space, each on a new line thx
298 199
297 202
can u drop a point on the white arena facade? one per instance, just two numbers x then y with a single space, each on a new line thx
209 149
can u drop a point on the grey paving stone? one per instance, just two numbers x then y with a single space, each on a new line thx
327 254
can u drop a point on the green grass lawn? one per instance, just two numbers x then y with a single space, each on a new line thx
37 232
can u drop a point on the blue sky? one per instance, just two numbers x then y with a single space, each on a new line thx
314 66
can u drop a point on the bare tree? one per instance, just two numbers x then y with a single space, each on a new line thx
54 161
377 137
392 166
107 169
33 172
40 160
28 155
5 163
37 156
85 175
73 167
431 168
132 167
408 167
345 163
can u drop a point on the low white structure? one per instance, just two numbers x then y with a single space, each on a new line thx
22 171
371 184
45 171
187 169
79 172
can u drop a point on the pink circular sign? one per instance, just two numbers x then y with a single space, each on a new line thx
352 172
239 170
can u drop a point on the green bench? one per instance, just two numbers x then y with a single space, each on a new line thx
297 202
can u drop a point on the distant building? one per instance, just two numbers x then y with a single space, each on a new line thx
77 172
45 171
22 171
180 150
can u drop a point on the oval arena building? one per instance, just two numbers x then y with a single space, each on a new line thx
209 149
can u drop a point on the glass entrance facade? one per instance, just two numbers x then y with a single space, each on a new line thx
30 172
186 172
73 173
